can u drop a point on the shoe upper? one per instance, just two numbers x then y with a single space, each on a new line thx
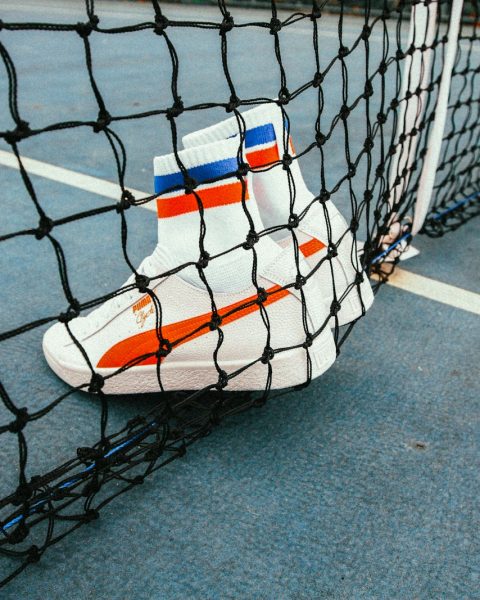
126 329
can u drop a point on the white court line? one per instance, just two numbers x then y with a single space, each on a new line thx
403 280
101 187
435 290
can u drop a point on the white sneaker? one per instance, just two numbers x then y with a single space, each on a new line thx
123 344
345 287
132 344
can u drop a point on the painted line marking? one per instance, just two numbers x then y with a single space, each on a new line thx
404 280
435 290
94 185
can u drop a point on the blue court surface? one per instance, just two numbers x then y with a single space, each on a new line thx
364 485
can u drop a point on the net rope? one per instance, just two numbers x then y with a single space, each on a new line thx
45 507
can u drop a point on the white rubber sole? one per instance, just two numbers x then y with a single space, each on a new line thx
289 368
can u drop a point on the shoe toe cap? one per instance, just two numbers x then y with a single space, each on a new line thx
59 347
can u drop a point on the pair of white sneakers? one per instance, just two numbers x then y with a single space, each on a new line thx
266 312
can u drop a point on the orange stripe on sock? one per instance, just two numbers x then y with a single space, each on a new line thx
220 195
181 332
262 158
311 247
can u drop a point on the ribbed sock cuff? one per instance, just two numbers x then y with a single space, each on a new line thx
212 161
254 119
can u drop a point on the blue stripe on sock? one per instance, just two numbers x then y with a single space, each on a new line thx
200 174
263 134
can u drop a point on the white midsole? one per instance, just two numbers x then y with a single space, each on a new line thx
289 368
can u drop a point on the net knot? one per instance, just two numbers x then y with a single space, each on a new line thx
215 321
243 169
344 112
368 144
335 307
84 29
300 281
332 250
317 79
382 68
161 23
359 278
203 261
176 109
283 96
286 160
72 312
22 419
320 138
227 24
222 380
142 282
45 226
352 170
293 221
164 349
103 121
96 383
252 239
308 341
343 51
233 104
275 25
354 225
126 201
91 515
34 554
268 355
368 195
22 494
21 131
316 13
368 90
381 118
366 32
262 295
324 196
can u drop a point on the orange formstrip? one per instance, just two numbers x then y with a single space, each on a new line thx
211 197
311 247
181 332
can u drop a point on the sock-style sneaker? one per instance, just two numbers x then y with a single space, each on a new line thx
280 321
346 288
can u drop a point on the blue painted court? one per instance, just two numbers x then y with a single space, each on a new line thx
364 485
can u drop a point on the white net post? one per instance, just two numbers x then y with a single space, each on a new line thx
427 177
